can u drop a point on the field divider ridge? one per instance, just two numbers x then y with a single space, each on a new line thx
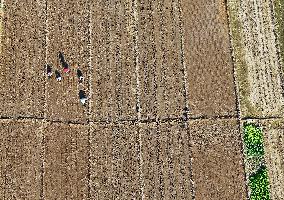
138 92
237 94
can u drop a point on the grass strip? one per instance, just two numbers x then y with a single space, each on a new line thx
253 139
259 185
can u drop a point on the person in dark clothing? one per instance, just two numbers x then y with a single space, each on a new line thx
63 62
48 71
58 75
82 96
80 75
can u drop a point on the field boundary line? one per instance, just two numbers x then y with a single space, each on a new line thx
181 30
138 92
90 81
186 109
146 121
236 88
44 119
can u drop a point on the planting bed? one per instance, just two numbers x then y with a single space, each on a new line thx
160 67
217 163
208 58
113 58
257 65
115 164
22 58
65 172
68 32
20 160
166 161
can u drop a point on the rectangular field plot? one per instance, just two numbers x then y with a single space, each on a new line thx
217 164
160 67
68 32
113 58
259 74
20 160
208 58
166 161
115 166
65 162
22 59
274 157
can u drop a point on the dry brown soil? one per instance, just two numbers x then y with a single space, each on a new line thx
208 58
67 31
21 159
113 58
166 161
115 164
217 167
65 163
22 59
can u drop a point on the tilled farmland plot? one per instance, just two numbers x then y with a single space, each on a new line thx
207 58
217 167
160 67
67 32
165 158
258 70
113 81
22 58
65 167
20 163
115 162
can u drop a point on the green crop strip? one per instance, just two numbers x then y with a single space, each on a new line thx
253 140
259 185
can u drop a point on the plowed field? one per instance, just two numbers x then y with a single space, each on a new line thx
159 80
21 160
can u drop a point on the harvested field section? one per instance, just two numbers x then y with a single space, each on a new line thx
160 60
20 167
115 163
217 162
67 32
257 64
166 161
274 157
114 79
279 23
208 59
65 162
22 59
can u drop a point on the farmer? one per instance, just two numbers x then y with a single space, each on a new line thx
63 62
48 71
58 76
66 68
80 75
82 97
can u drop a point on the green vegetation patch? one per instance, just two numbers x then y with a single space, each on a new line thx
253 139
259 185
